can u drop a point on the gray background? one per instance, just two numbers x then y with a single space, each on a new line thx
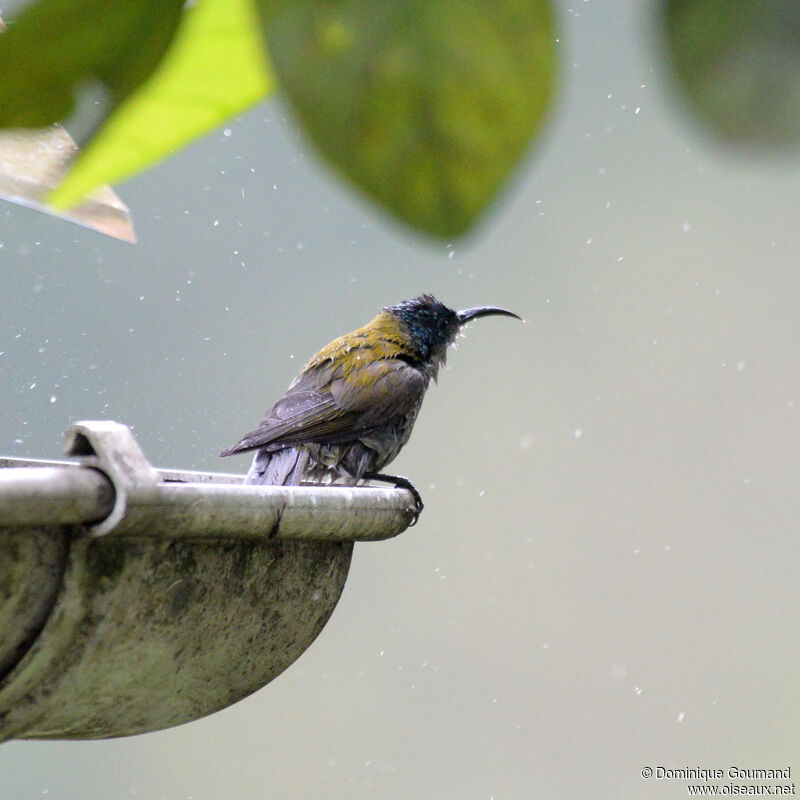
605 576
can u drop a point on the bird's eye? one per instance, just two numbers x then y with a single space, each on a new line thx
442 324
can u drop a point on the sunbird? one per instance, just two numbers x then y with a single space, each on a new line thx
351 408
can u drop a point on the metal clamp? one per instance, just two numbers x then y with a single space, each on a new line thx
111 448
114 491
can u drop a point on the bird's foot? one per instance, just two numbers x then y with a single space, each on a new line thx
400 483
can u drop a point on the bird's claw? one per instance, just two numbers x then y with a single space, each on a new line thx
401 483
404 483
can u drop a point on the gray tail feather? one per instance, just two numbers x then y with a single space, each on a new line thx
282 468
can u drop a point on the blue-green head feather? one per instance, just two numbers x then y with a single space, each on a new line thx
432 326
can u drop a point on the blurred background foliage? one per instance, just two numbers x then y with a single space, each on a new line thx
424 105
738 62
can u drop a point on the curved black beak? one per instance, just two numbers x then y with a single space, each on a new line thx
484 311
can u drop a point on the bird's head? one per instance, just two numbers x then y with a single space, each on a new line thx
433 326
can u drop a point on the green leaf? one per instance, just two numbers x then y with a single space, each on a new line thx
215 68
57 44
739 63
424 104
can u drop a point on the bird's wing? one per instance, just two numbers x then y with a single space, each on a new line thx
340 409
300 415
379 390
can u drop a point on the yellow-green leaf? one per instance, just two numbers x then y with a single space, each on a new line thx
215 68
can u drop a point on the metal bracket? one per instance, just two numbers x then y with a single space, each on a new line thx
114 490
111 448
169 504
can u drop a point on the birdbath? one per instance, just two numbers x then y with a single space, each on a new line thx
133 599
